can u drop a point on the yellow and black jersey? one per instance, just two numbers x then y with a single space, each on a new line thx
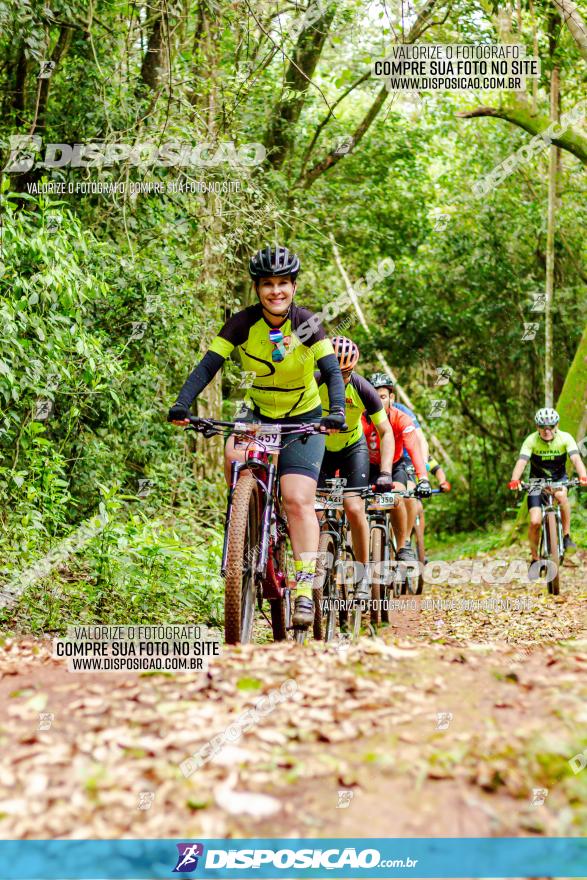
360 396
284 383
548 459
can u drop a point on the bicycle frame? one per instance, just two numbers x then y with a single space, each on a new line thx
546 508
265 473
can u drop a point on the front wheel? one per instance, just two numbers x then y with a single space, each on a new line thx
421 555
325 590
241 560
376 558
281 608
551 536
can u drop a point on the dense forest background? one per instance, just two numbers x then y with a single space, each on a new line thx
108 300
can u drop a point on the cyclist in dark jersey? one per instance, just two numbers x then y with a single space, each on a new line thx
546 450
347 453
281 343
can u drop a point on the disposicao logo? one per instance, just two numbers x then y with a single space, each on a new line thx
187 859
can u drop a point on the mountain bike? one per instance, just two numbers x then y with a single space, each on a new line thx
551 533
332 599
255 551
403 577
381 551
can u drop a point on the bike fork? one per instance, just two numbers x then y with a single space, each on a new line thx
266 522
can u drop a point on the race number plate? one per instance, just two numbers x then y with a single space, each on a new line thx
270 441
266 439
329 503
383 502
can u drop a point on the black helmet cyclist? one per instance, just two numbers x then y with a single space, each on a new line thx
274 262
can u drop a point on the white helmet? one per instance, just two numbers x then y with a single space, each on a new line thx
547 418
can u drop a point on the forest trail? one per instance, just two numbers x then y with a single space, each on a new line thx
447 723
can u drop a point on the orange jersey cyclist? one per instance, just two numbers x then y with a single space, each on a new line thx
347 453
405 436
281 343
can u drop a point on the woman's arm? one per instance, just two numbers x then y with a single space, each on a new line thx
201 376
330 370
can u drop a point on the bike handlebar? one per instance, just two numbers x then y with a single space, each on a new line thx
371 492
209 427
539 483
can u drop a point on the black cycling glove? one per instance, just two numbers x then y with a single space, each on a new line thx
384 482
334 419
423 489
178 412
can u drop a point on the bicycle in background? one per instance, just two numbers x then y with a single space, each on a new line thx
391 575
332 599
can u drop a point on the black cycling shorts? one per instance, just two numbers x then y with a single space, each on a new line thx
352 462
536 499
398 473
295 457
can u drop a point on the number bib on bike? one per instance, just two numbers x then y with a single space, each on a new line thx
267 439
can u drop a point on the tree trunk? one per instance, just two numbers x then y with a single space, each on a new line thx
569 139
575 24
154 62
572 403
61 47
17 101
536 54
550 231
280 133
210 458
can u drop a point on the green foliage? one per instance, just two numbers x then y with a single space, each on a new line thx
135 570
107 301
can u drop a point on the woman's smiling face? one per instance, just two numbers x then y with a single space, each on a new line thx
276 293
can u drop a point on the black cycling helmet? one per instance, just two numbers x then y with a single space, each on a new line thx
381 380
274 261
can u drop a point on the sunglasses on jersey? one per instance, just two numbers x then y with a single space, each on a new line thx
276 337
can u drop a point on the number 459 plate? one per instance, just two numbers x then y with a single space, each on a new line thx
270 440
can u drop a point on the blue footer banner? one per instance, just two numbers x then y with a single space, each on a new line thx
519 857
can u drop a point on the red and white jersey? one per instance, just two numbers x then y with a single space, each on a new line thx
404 433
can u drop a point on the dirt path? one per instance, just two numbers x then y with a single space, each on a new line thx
358 748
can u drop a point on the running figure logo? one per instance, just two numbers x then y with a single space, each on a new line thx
187 859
